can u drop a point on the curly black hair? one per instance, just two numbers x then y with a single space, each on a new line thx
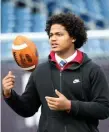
73 25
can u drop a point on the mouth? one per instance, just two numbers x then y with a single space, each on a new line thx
54 45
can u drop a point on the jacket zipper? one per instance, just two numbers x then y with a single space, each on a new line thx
61 79
61 91
65 129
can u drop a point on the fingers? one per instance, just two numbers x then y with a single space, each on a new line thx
8 81
9 87
9 84
52 99
51 102
58 93
52 107
9 75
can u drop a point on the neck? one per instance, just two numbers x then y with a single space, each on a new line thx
65 55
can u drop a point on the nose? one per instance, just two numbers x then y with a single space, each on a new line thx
53 38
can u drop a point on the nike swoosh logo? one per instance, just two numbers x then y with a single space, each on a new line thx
76 81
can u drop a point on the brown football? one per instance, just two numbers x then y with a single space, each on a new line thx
25 53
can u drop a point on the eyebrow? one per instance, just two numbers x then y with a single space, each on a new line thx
55 32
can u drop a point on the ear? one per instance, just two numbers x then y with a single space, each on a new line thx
73 40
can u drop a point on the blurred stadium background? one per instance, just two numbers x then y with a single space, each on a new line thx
28 17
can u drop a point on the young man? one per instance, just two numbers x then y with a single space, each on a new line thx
70 87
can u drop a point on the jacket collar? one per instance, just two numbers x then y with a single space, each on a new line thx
78 58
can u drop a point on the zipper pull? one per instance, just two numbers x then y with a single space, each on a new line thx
60 81
60 73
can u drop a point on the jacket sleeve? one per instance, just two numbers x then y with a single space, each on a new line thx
28 103
98 107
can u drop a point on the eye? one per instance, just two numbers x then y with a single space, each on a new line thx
59 34
50 35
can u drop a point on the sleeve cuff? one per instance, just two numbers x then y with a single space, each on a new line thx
74 107
8 97
68 111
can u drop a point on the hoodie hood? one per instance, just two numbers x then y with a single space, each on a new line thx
76 65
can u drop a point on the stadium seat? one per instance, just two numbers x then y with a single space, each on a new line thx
38 20
7 17
105 8
7 27
20 30
51 6
23 17
79 6
80 9
23 13
104 4
7 7
94 11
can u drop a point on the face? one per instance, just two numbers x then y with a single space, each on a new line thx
59 39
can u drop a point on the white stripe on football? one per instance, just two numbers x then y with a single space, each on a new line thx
19 47
29 68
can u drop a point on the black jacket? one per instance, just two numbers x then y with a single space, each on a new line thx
84 84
